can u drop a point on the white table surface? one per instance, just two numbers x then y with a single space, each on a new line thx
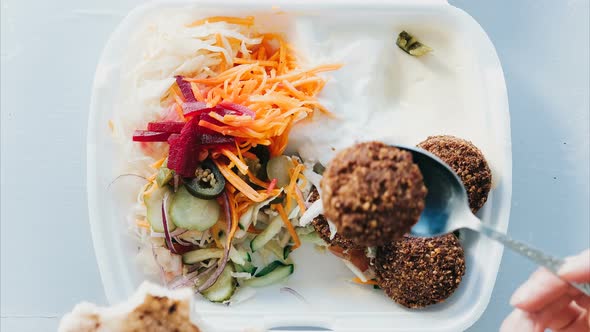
49 51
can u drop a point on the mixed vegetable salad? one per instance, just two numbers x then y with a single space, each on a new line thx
223 204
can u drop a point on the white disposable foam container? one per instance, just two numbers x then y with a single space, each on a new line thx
460 89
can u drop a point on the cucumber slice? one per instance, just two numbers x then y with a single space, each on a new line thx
153 203
239 256
286 251
200 255
269 268
190 212
278 273
247 267
223 288
313 238
275 248
267 234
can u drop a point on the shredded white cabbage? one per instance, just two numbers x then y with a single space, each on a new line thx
241 275
168 261
332 228
159 50
312 212
192 236
313 177
257 208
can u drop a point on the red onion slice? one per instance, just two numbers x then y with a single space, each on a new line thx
178 231
182 242
165 222
184 280
225 258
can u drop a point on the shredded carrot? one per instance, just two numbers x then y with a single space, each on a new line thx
288 225
303 181
305 73
240 164
142 223
248 20
179 111
359 281
237 182
243 205
219 43
261 55
152 177
265 77
264 63
158 163
300 200
282 56
197 92
257 181
253 230
249 155
177 96
290 190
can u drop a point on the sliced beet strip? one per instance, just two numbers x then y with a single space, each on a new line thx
150 136
193 108
185 88
166 126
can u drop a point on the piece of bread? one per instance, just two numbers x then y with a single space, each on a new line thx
151 309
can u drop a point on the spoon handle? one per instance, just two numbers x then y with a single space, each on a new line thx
550 262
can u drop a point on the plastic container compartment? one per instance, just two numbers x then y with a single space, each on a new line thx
458 90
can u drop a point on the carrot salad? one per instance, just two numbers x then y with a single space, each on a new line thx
224 199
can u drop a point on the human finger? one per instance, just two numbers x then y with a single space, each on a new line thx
566 317
576 268
521 321
583 301
580 324
541 289
550 312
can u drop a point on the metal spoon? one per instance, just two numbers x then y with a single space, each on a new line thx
447 210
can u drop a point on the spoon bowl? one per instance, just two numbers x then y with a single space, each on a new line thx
447 210
446 200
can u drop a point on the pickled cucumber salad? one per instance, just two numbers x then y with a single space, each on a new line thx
221 207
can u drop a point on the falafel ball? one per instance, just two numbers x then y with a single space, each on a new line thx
320 224
374 193
467 161
418 272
